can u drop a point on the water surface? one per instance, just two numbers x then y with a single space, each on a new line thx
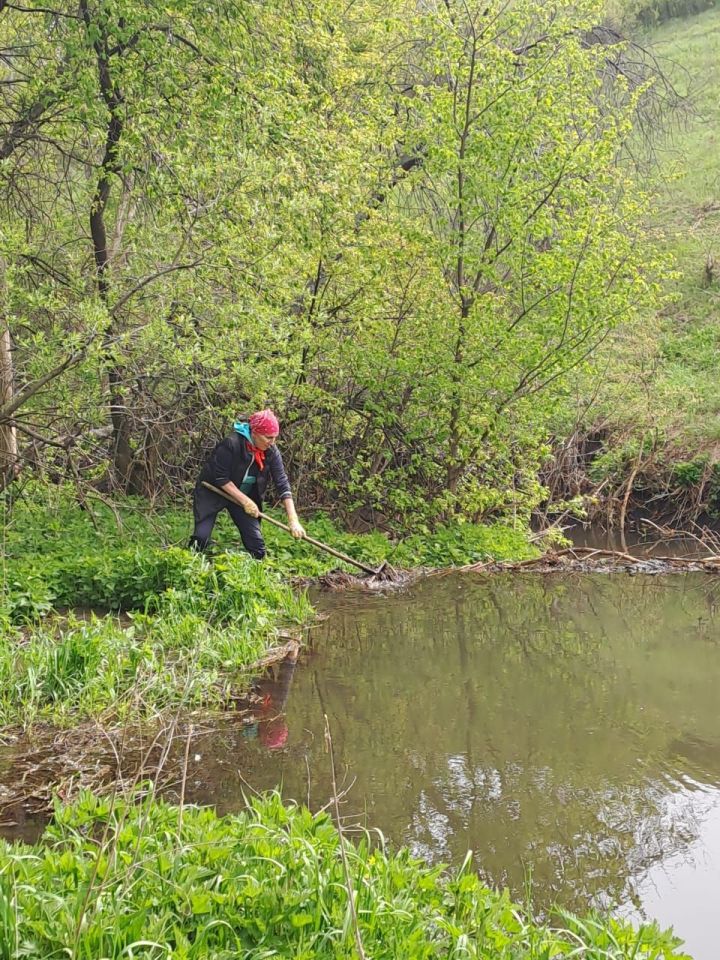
565 728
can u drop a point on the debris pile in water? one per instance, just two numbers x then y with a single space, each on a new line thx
593 560
340 580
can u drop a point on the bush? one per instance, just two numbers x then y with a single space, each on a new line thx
689 473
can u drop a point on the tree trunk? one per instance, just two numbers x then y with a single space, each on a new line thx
8 433
455 466
109 168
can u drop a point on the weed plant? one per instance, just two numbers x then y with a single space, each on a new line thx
47 529
158 882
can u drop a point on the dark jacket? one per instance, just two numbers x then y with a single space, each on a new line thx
231 459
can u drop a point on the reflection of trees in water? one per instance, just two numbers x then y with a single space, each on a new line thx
582 847
531 718
549 723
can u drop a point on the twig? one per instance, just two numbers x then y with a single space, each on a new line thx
626 499
184 781
707 541
343 854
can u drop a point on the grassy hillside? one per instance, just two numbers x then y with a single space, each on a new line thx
690 213
653 412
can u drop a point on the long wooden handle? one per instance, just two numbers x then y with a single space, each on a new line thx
276 523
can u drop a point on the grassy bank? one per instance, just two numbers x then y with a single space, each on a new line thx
48 524
206 623
156 882
654 415
190 624
689 213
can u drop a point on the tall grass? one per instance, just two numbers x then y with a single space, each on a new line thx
157 881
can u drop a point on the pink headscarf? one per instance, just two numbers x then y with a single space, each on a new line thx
265 422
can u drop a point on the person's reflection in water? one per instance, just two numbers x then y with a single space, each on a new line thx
266 721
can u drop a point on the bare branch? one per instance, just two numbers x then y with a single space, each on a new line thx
164 271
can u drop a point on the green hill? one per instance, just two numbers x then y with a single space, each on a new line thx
690 213
654 411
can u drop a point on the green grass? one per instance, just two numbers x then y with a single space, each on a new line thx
661 377
48 539
689 213
204 623
149 881
656 382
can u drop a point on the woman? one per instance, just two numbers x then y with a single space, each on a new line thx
240 466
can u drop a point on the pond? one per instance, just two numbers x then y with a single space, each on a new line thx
563 727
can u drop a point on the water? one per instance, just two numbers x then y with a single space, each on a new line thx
564 728
643 541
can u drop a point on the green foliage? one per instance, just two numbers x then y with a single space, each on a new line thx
209 622
452 544
404 238
689 473
459 544
702 476
614 462
267 882
189 626
57 556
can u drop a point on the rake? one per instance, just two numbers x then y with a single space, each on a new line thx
384 571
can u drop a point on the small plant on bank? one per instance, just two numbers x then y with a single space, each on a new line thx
689 473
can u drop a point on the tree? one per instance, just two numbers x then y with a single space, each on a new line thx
197 153
506 258
401 226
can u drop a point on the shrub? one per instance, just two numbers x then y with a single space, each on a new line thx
689 473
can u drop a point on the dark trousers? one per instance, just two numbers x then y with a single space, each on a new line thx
207 505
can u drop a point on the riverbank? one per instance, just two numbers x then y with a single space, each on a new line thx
112 633
190 624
